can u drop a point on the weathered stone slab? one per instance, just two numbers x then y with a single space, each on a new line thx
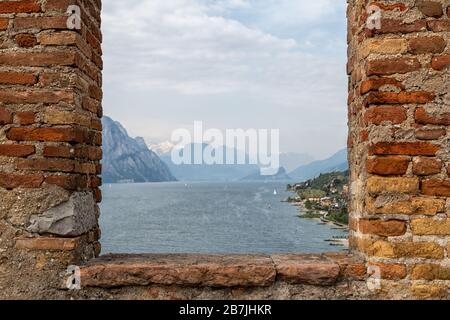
71 218
179 269
306 269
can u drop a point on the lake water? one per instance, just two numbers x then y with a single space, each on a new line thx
240 217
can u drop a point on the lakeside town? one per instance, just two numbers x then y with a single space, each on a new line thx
324 198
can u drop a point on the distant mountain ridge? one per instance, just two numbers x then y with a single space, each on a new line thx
205 172
337 162
129 160
288 160
280 176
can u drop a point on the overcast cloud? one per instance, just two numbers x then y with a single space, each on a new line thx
230 63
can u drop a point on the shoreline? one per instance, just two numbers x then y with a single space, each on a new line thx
321 217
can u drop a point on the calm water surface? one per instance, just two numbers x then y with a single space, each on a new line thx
207 217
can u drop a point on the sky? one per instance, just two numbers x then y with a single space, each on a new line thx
261 64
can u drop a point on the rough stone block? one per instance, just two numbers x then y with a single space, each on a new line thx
72 218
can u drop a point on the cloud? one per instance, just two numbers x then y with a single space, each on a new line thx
222 56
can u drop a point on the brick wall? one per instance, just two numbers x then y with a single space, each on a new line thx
399 117
50 141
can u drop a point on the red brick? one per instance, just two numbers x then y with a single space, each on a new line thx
58 152
398 26
46 134
419 97
374 84
98 168
46 165
17 78
96 124
430 8
404 148
430 134
95 153
426 166
392 66
95 182
440 63
90 104
26 40
88 152
16 150
5 116
56 79
95 92
391 165
436 187
85 167
21 6
422 45
58 22
378 115
438 25
25 118
36 96
38 59
71 182
4 23
391 228
364 135
11 181
423 117
98 195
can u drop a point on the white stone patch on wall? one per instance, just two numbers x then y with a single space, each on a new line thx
72 218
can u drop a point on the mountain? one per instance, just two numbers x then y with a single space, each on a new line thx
292 160
205 172
161 148
128 159
288 160
337 162
280 176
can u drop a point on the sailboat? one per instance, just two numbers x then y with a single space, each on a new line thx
275 192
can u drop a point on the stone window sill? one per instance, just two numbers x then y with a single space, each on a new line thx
220 271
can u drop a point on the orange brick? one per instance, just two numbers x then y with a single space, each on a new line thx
390 165
419 97
51 244
391 228
374 84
